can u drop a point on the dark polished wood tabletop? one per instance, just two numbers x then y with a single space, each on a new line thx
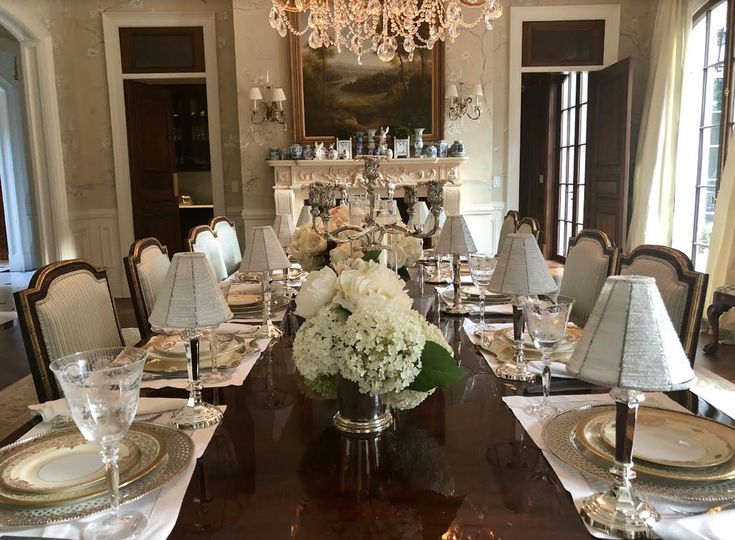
459 466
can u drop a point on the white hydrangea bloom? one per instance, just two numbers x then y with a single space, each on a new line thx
317 291
380 349
313 346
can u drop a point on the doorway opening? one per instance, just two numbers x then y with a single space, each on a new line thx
18 238
170 165
575 152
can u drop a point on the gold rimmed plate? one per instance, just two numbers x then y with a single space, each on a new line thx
673 445
61 466
173 346
178 456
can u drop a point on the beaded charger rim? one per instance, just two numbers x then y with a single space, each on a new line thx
558 434
179 454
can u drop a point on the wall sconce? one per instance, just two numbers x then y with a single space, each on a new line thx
273 111
461 105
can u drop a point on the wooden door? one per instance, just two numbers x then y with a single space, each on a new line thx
151 150
608 150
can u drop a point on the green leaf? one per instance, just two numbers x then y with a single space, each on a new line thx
371 256
438 368
403 273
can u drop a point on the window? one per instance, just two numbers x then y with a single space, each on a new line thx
571 159
698 171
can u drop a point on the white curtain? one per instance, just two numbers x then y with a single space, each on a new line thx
654 177
721 262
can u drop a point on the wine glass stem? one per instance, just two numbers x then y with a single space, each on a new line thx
546 378
110 453
482 308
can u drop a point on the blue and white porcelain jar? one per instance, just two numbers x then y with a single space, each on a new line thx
296 151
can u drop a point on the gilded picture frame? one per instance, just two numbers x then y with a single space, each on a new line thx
351 98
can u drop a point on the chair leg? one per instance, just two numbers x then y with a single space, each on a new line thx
713 317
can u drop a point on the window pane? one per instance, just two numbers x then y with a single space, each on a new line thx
582 164
563 166
580 204
560 239
718 26
570 202
583 91
565 93
710 156
572 164
583 124
572 126
564 126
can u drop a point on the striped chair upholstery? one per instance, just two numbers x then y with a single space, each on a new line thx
202 239
145 266
590 260
228 242
67 308
682 289
509 226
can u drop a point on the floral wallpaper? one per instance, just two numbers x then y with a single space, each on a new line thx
81 81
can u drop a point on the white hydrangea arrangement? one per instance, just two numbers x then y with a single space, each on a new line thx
360 325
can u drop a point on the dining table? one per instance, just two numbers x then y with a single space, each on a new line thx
458 466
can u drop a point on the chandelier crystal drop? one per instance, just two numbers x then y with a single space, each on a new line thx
381 26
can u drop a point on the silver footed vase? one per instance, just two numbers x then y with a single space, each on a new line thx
359 414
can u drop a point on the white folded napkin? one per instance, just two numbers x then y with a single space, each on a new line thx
59 407
233 328
558 370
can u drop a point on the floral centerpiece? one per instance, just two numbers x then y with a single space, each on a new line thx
362 338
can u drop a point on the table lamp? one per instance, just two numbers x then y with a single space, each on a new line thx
419 216
304 216
630 345
264 254
521 271
284 227
189 299
456 240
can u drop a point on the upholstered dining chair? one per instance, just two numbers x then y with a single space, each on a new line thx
145 266
682 288
591 258
509 226
202 239
529 225
67 308
226 234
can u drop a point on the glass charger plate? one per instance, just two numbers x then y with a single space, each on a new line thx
471 302
570 339
62 466
674 446
179 454
173 346
558 434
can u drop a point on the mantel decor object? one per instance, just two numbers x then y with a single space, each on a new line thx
521 271
456 240
189 300
264 254
629 344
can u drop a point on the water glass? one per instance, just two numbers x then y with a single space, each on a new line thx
102 387
546 320
482 268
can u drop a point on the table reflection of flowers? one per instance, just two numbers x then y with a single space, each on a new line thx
360 326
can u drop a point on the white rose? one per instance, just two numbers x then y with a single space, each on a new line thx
413 249
315 243
372 286
316 292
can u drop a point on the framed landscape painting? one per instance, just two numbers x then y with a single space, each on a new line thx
334 95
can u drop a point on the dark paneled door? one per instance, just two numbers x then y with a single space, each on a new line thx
608 150
152 164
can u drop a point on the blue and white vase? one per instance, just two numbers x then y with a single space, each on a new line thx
359 143
418 141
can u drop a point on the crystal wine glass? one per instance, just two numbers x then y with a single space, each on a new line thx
482 268
102 387
546 320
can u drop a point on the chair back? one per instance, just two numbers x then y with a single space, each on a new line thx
529 225
682 288
202 239
145 266
509 226
67 308
226 234
591 258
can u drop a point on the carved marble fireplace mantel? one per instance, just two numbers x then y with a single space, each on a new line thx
296 175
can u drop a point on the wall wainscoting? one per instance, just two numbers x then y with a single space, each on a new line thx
484 221
97 239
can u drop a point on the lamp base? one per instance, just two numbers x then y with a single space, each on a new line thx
198 416
456 309
620 513
515 372
268 330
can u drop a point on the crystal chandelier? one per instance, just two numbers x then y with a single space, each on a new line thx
381 26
